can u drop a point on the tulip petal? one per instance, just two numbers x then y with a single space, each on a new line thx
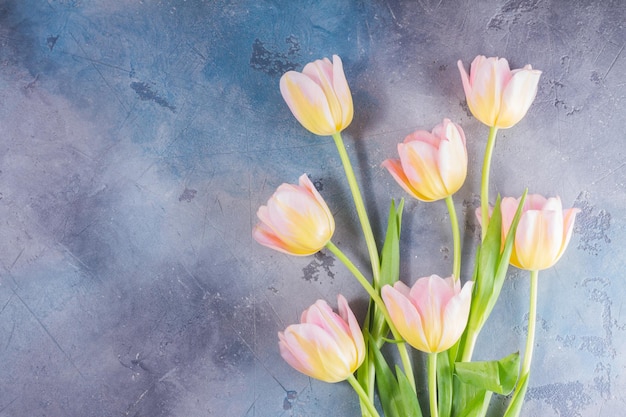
419 163
452 157
307 102
518 95
405 317
455 317
394 166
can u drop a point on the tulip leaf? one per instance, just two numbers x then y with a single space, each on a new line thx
497 376
444 384
478 406
390 257
395 392
389 266
490 271
515 406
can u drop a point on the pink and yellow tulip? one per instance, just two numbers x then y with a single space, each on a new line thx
296 220
431 315
325 345
543 232
432 165
497 96
319 96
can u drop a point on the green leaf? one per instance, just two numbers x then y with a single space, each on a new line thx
408 402
390 256
478 406
389 267
515 406
497 376
491 268
444 384
396 395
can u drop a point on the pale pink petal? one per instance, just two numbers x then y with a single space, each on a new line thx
342 90
405 317
394 166
455 317
307 102
518 95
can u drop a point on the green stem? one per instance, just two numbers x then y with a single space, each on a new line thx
360 208
432 384
402 350
456 238
470 342
532 319
484 185
363 396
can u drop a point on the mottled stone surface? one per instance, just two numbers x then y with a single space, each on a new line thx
138 139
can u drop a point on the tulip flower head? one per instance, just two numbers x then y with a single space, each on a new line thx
497 96
325 345
296 220
431 315
543 232
319 97
432 165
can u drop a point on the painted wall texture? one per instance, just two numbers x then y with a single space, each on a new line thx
138 138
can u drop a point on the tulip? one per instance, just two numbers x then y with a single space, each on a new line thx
319 96
296 220
325 345
543 232
497 96
431 315
432 166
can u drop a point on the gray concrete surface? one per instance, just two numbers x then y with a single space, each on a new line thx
138 139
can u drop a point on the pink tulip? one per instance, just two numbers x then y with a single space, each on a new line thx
496 95
319 96
431 315
432 166
325 345
296 220
543 232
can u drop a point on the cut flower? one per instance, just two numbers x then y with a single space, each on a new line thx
296 220
319 96
325 345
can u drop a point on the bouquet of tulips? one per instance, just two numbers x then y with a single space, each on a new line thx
441 317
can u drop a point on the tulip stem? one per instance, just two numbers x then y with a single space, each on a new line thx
484 186
456 238
363 396
360 208
402 350
532 319
432 383
522 382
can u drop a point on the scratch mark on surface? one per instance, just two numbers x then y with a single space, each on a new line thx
45 329
7 406
10 337
100 73
256 357
6 304
613 62
150 388
608 174
15 260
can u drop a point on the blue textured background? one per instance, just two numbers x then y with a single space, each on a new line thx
138 138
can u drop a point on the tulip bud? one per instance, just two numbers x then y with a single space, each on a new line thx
319 97
296 220
497 96
325 345
543 232
432 166
431 315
